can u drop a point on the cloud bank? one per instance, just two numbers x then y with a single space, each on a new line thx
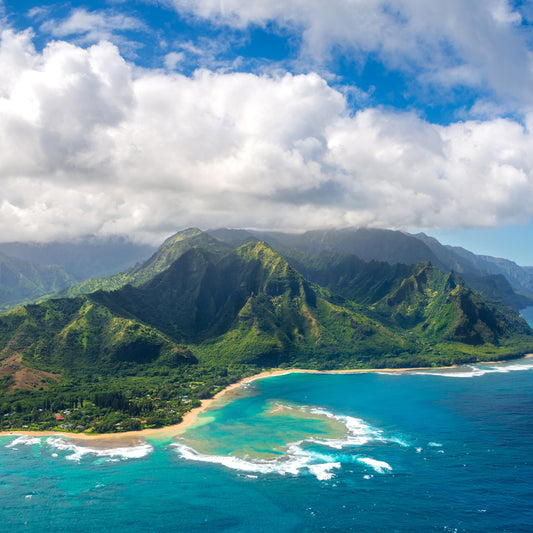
479 43
92 144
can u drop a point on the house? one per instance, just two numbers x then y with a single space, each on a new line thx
59 417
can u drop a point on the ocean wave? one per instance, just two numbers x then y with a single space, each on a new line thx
323 471
262 466
78 451
474 371
379 466
23 440
114 454
359 432
294 462
303 456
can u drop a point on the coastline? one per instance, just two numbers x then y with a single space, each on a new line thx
129 438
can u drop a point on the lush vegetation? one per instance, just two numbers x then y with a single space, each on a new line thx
494 278
116 398
169 251
83 258
198 316
22 281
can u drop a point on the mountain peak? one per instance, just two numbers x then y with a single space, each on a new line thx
260 252
183 235
257 248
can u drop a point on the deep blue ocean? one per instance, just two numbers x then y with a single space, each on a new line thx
420 451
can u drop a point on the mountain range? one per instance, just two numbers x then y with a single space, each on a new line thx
495 278
206 309
77 263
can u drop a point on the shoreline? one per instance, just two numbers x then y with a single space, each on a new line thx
189 418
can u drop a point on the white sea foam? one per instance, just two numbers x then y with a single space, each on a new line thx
359 432
288 465
323 471
474 371
78 451
299 457
114 454
23 440
294 462
379 466
435 444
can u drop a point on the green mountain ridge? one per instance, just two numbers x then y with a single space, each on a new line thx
480 271
202 315
83 258
22 281
372 244
165 255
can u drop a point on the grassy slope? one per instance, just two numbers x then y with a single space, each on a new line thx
169 252
446 321
22 281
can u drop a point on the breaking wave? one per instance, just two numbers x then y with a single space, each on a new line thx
379 466
310 455
77 451
473 371
23 440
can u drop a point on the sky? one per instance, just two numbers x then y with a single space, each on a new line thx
144 117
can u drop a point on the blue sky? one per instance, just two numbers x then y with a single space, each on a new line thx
143 117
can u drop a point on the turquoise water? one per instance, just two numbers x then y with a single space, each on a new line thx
421 451
442 451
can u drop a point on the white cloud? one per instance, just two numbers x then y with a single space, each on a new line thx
173 59
89 27
448 43
90 145
55 106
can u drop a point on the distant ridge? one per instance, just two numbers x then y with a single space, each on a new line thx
471 265
494 278
22 280
482 272
84 258
164 256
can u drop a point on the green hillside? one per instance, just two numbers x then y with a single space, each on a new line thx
167 253
439 310
83 258
492 277
22 281
198 316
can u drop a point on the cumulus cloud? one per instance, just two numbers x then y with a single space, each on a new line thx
90 144
477 44
56 105
173 59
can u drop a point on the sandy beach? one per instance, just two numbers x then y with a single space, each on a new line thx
132 438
